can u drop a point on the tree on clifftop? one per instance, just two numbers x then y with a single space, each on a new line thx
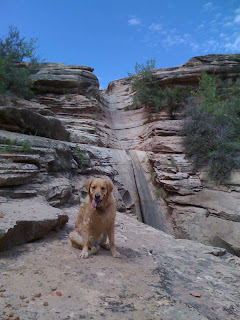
13 48
148 92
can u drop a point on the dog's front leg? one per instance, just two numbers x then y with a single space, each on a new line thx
114 252
84 254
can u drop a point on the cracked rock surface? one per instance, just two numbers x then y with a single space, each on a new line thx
157 277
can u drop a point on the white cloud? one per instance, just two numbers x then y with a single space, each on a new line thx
195 46
228 24
134 21
237 11
234 46
155 27
219 33
218 15
237 18
208 6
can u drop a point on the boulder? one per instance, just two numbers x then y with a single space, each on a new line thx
30 122
27 220
208 216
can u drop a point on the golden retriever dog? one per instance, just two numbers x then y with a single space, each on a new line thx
96 219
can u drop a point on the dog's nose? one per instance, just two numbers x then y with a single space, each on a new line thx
97 196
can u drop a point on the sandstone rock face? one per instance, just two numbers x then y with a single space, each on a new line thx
42 185
62 79
14 174
135 151
30 122
192 207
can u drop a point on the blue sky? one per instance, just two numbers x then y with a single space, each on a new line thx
112 35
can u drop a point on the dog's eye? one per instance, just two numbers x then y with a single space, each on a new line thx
93 188
103 188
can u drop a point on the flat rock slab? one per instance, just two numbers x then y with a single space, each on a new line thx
157 277
26 220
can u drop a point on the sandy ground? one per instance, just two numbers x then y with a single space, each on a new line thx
47 279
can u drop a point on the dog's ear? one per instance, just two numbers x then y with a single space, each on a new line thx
110 185
88 183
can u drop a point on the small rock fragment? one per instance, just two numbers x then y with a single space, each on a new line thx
2 290
10 315
22 305
22 297
45 304
1 215
37 295
58 293
195 294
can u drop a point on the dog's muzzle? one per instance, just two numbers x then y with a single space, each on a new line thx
96 202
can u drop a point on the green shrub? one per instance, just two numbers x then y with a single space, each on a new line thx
148 93
143 84
175 99
80 158
26 147
9 146
212 130
158 193
14 80
12 146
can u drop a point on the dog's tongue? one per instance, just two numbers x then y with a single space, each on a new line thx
94 205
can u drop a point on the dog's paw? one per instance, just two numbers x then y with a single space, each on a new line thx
116 254
84 254
93 250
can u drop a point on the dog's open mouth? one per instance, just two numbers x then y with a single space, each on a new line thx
95 204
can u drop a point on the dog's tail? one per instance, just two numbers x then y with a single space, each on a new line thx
76 239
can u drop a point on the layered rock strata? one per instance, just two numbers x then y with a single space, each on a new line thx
105 139
42 186
192 207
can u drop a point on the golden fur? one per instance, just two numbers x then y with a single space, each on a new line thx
96 219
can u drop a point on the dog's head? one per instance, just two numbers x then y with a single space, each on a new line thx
98 190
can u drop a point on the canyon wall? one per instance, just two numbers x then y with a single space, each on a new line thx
191 206
72 130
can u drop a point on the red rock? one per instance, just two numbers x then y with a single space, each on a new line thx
195 294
